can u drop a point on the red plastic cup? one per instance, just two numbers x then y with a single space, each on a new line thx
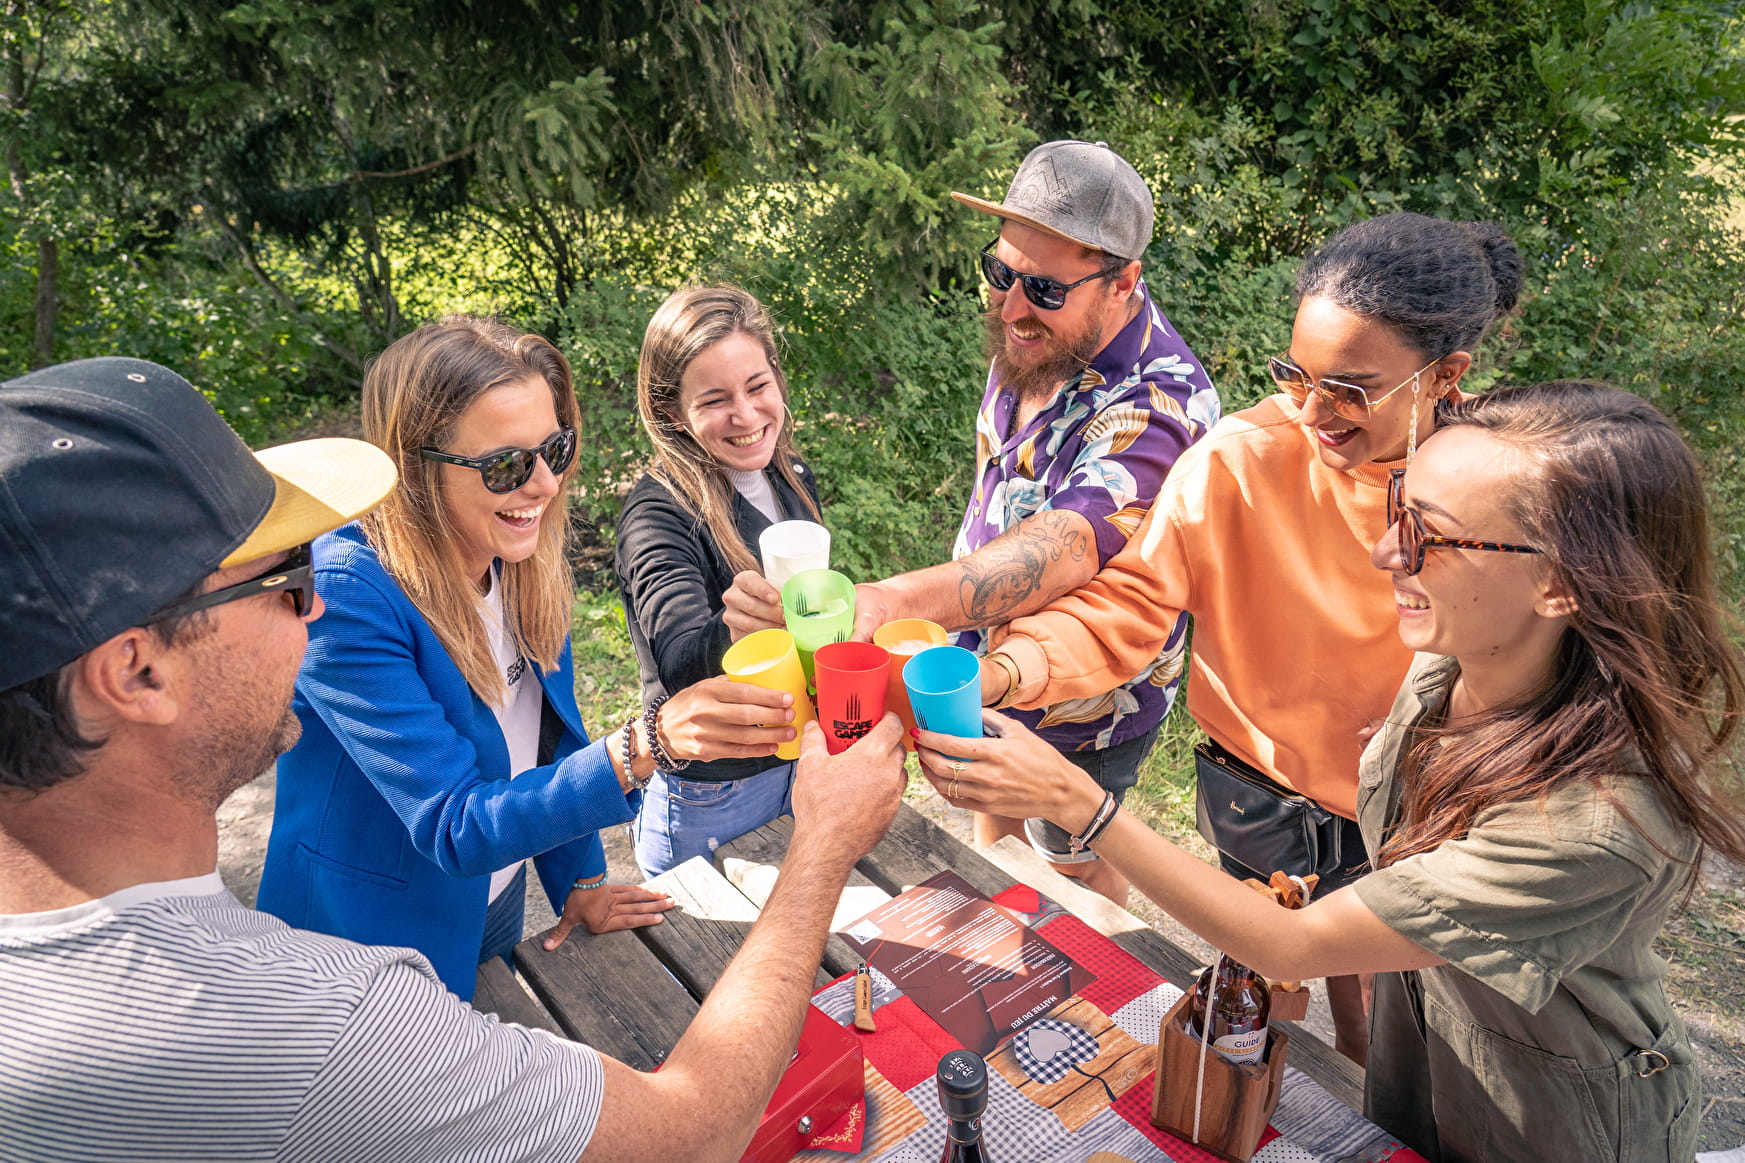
851 690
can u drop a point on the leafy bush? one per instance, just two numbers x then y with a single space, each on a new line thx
884 391
256 361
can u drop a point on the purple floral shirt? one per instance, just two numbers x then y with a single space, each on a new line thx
1101 448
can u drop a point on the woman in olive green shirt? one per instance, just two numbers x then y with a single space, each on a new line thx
1538 800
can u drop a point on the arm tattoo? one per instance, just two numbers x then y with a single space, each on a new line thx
1003 579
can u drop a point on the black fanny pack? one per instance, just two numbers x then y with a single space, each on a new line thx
1262 825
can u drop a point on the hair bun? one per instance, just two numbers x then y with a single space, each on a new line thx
1504 260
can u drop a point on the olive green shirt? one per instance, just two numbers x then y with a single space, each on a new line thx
1547 1035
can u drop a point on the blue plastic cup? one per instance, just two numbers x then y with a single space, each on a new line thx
945 691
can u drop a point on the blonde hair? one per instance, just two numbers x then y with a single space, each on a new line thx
413 394
692 320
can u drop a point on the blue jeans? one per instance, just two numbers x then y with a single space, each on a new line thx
504 919
682 818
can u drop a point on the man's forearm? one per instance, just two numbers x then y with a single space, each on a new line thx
752 1017
1017 573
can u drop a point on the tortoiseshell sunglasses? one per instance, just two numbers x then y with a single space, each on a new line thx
1414 541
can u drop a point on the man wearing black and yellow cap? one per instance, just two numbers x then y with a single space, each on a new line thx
154 595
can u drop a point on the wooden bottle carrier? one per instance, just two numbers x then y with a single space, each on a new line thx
1236 1100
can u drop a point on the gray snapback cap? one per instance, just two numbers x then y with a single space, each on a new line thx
1081 191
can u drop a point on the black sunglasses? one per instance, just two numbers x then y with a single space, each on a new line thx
1414 541
1048 294
295 576
509 469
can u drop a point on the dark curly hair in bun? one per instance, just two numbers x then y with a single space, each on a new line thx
1441 285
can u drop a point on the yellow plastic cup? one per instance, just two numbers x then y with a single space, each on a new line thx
903 640
770 659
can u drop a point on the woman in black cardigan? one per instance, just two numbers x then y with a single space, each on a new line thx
714 403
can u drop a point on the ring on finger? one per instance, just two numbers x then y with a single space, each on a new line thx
952 794
957 766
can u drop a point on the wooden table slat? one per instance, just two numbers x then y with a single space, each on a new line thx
610 991
916 848
751 862
1341 1077
498 992
701 935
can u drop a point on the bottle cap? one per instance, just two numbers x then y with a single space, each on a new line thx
963 1085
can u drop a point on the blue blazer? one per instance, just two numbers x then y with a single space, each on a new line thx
396 806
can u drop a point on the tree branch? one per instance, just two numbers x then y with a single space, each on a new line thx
363 175
278 293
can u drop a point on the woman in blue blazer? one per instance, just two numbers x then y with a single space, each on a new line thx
442 745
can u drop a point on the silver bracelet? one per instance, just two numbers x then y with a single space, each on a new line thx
1105 812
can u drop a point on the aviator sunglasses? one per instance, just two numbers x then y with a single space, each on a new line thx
1048 294
294 576
509 469
1345 400
1414 541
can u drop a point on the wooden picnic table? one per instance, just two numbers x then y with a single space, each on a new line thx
631 994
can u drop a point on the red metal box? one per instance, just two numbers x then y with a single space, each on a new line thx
823 1080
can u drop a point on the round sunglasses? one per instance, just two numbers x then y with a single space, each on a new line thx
1414 541
508 469
1345 400
1048 294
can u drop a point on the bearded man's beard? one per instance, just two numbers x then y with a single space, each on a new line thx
1040 372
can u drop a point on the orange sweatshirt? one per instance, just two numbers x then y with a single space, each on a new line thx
1296 645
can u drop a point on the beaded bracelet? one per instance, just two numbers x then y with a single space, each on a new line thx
630 758
662 760
585 886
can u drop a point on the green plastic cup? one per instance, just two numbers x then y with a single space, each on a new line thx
819 607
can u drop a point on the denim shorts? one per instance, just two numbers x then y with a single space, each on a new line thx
1116 769
682 818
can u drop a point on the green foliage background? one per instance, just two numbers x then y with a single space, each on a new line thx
263 194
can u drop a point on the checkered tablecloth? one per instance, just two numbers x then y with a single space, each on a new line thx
1048 1050
904 1123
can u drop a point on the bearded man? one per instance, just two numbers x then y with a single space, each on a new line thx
1091 396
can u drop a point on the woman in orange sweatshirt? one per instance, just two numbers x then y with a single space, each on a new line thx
1262 532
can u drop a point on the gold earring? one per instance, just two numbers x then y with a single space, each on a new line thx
1412 435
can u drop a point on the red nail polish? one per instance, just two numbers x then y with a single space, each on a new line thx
915 732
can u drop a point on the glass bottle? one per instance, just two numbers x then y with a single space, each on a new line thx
963 1093
1239 1003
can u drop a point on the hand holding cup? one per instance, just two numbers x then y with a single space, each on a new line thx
752 604
819 609
719 718
1009 772
768 659
844 803
851 690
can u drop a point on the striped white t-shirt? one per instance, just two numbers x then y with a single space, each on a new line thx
168 1022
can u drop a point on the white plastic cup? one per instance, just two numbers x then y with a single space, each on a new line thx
791 547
